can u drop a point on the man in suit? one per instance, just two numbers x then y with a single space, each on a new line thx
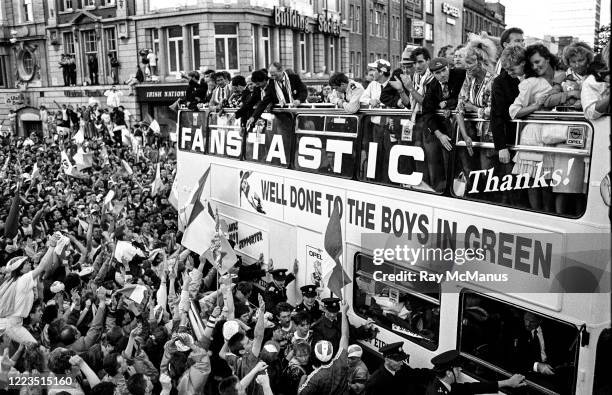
534 351
447 367
259 79
284 89
441 94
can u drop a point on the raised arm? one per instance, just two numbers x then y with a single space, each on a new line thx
259 330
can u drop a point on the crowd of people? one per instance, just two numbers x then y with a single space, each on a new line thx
97 289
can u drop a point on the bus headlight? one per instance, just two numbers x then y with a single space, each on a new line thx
604 189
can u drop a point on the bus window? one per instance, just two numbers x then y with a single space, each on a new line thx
396 306
497 339
390 150
602 384
548 171
225 137
326 144
269 141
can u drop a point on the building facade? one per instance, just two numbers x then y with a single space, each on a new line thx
447 30
481 16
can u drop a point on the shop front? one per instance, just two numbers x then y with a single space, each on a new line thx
155 101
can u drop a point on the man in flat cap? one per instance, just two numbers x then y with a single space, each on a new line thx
395 376
441 94
447 366
309 304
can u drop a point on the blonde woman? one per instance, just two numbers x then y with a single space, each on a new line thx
479 57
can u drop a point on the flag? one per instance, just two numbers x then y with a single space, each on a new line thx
228 255
84 225
104 156
11 226
126 167
157 184
200 226
79 137
126 251
154 126
67 166
82 159
107 205
35 172
173 197
134 292
332 272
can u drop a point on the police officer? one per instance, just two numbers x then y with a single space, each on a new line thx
328 326
309 304
346 94
395 376
447 367
276 290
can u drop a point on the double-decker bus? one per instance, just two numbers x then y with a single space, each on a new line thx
541 243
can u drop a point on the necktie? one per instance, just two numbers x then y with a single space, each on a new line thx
535 343
286 92
445 92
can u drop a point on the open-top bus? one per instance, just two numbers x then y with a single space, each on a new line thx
276 187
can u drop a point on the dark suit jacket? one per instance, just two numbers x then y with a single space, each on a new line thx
525 354
503 92
433 97
250 100
389 96
299 93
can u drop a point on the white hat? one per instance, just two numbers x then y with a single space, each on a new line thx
57 287
324 351
354 350
230 328
85 271
14 263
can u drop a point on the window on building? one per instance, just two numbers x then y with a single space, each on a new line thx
372 24
90 42
377 30
90 3
175 49
265 40
303 60
372 58
3 79
107 2
110 38
28 11
226 46
429 6
68 5
384 25
332 55
358 65
352 18
358 19
68 39
352 62
195 46
429 32
155 41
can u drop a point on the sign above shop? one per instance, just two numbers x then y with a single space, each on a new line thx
450 10
286 17
418 29
327 25
168 93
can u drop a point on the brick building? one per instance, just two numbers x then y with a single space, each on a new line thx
479 16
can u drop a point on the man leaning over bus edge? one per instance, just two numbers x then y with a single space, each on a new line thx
346 93
284 88
447 367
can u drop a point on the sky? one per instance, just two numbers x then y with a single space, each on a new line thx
531 15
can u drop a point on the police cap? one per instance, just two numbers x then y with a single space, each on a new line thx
332 304
279 274
309 291
446 361
394 351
